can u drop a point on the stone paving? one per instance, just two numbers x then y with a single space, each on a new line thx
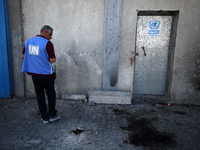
88 126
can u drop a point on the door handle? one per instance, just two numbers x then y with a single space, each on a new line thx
144 51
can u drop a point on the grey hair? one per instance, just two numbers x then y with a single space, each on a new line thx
46 27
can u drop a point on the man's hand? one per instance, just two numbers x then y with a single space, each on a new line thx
22 56
52 60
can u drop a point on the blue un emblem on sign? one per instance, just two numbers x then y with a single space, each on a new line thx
154 27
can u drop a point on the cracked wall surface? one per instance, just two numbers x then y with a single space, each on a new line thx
78 40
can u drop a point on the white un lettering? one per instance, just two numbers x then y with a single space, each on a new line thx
33 50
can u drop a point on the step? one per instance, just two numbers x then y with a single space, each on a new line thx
74 96
110 97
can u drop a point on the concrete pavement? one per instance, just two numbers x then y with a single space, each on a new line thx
89 126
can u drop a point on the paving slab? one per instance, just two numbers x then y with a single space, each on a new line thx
88 126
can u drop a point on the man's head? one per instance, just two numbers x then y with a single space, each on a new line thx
47 32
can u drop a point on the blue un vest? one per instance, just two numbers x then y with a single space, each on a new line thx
36 59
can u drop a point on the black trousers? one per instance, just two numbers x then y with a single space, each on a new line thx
42 84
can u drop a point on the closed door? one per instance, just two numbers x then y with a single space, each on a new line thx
152 51
4 67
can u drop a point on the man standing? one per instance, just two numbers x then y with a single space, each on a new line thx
38 55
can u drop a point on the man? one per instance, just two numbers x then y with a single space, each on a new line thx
38 55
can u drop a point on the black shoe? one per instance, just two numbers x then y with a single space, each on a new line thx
56 117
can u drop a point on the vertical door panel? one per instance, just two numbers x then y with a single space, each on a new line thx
4 70
152 49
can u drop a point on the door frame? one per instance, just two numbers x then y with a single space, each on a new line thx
175 16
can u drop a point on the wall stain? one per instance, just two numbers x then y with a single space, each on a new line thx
113 78
132 59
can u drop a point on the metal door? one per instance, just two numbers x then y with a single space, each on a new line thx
152 50
5 84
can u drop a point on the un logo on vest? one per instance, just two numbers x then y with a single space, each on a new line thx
154 24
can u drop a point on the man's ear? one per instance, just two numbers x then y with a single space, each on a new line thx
46 31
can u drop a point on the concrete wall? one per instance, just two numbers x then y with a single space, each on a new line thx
185 85
78 41
77 38
16 35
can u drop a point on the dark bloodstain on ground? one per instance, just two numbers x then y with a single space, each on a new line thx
142 133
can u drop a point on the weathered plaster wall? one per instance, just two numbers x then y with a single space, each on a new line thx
16 35
78 40
186 75
185 87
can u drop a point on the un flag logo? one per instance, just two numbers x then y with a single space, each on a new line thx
154 24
